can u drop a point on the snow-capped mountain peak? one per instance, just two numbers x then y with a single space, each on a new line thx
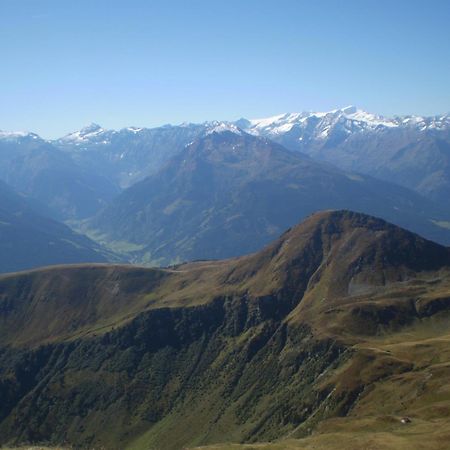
90 133
426 123
323 121
276 124
221 127
91 128
371 120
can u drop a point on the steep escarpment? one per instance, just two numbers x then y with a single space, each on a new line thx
222 370
249 349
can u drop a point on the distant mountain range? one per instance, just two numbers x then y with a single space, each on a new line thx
412 151
345 121
228 193
221 189
128 155
337 331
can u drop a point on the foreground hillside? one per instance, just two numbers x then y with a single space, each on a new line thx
397 411
333 333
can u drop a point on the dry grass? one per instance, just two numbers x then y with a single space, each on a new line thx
397 352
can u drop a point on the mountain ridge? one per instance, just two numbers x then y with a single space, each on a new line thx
229 193
412 150
389 148
208 352
272 125
354 246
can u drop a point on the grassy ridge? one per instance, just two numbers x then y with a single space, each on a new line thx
340 328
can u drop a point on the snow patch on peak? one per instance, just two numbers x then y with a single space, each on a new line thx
134 129
426 123
350 117
276 124
10 135
372 120
91 132
221 127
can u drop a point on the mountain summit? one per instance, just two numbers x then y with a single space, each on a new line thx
308 334
90 132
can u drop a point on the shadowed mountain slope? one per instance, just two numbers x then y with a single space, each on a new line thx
130 154
29 239
322 323
35 167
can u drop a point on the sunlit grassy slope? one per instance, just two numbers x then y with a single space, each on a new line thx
420 396
325 339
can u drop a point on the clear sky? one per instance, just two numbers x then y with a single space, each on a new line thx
65 63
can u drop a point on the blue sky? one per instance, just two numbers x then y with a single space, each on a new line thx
67 63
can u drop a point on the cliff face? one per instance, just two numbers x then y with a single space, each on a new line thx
243 350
